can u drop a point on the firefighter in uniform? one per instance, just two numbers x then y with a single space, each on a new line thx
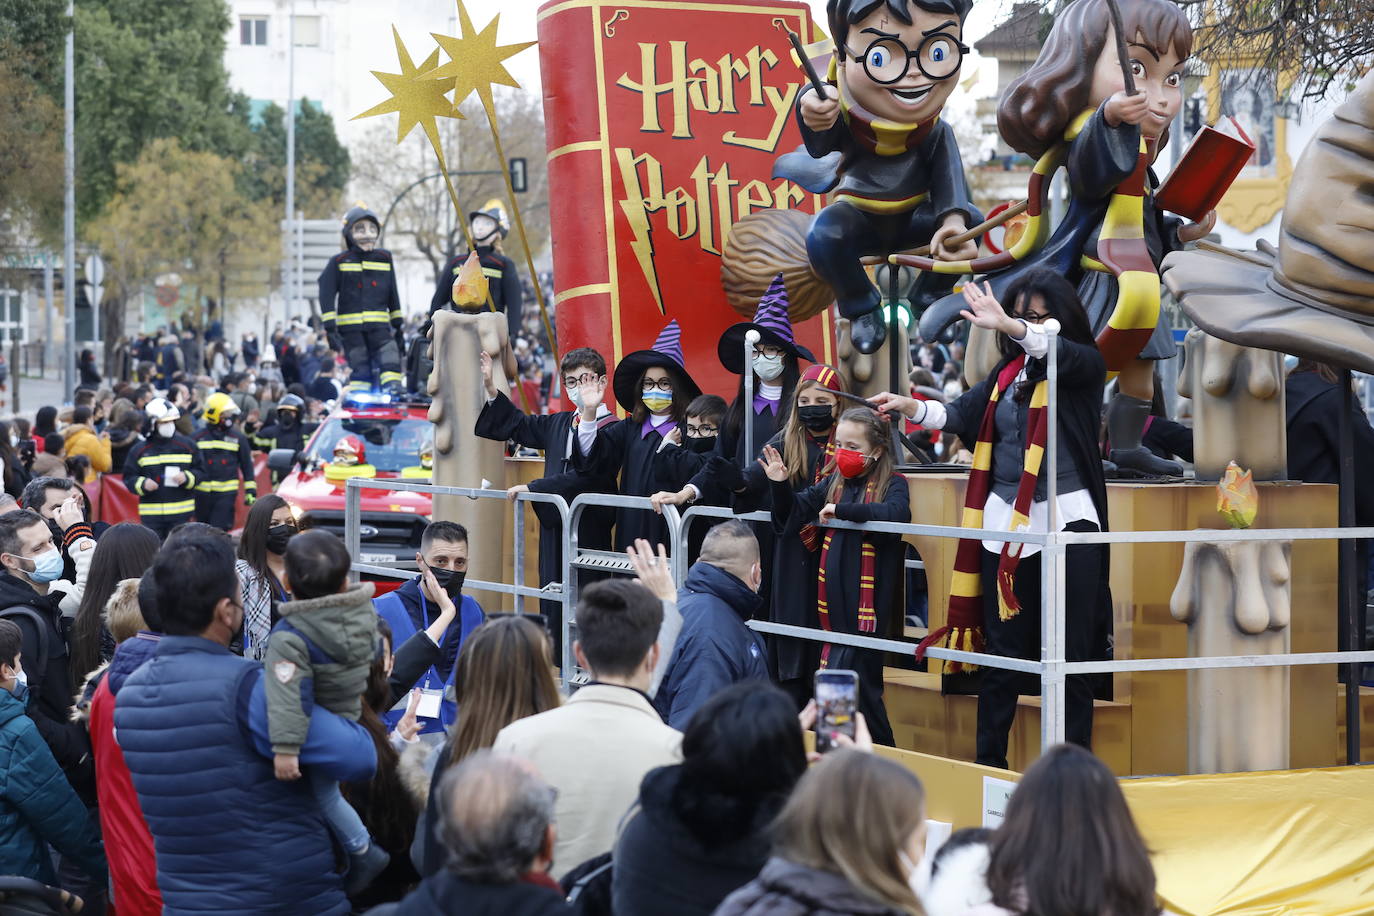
286 430
163 471
361 306
227 455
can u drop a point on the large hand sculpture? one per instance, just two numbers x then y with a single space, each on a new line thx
1238 407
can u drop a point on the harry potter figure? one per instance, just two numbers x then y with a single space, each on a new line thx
488 227
875 138
360 305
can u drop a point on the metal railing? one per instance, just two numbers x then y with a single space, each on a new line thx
1051 667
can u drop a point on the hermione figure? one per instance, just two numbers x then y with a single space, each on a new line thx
1071 107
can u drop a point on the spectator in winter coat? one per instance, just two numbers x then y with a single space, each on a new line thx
133 863
498 824
31 563
37 806
714 647
192 723
596 748
82 439
703 828
848 842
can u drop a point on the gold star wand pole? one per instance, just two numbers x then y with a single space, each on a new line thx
420 100
476 62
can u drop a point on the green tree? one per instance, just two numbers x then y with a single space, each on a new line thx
30 162
180 211
322 162
145 71
32 34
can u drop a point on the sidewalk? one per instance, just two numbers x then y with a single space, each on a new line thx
34 392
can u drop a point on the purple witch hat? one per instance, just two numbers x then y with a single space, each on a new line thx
666 353
774 327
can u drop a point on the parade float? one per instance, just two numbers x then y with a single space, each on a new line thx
1223 703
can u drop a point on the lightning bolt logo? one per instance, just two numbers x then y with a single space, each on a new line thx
637 217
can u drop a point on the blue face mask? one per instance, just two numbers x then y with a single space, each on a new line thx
47 567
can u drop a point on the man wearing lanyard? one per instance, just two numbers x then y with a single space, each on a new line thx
414 606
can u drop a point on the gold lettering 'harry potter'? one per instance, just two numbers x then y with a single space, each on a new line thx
720 88
706 207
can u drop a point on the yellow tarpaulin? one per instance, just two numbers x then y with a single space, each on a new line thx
1293 843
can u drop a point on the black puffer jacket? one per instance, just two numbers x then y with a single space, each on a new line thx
786 889
666 866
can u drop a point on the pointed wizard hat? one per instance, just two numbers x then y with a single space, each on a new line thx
1313 297
773 325
666 353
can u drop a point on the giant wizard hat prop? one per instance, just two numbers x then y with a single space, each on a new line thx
1314 296
773 325
667 354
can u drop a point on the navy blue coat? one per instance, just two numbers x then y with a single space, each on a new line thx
230 837
714 649
37 805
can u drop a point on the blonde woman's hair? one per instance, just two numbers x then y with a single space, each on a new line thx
794 434
503 673
851 815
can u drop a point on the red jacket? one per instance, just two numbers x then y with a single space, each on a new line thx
128 844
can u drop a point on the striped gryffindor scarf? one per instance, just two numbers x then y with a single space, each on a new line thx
964 625
868 566
811 534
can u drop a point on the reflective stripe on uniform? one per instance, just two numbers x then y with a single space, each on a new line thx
388 377
352 268
180 507
179 458
363 318
328 316
376 265
218 486
218 443
359 386
491 272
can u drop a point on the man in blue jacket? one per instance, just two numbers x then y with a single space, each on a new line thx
715 648
413 607
192 722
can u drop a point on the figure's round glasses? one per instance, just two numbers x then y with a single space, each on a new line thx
887 60
663 384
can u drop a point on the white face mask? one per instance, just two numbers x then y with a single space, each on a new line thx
768 367
575 395
21 677
167 429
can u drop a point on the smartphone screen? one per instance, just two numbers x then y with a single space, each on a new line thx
837 700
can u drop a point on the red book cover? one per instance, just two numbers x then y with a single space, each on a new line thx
1208 167
663 123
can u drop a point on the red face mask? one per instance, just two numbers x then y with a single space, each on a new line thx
850 463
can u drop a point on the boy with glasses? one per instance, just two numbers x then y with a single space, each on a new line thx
583 376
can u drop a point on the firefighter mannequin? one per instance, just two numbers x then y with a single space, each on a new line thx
361 306
488 227
227 455
350 460
163 471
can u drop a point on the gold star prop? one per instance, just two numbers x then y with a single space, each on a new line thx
418 98
476 63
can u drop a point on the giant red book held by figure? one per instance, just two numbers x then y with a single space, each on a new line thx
663 122
1208 167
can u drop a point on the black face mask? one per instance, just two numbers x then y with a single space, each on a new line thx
817 417
286 419
277 538
450 580
700 444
